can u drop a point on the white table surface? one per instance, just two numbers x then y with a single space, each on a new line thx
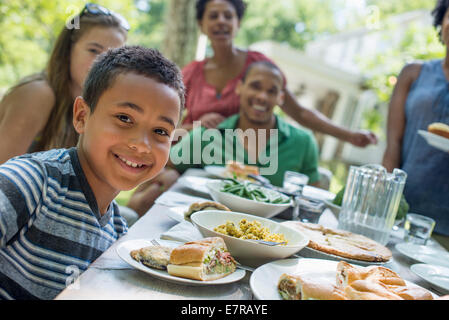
109 277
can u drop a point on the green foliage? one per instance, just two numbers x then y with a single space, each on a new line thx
33 26
382 69
291 21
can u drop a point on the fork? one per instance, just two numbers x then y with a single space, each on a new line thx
155 243
268 243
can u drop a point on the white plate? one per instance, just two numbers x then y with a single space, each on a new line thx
312 253
264 280
197 184
239 204
245 251
424 254
435 140
125 248
436 275
217 171
317 193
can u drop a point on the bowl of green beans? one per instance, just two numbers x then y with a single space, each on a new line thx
248 197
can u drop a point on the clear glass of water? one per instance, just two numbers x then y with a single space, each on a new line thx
418 228
294 181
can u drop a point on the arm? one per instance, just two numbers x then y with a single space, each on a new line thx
18 200
25 112
315 120
396 116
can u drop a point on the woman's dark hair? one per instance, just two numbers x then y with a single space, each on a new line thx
239 6
130 59
438 14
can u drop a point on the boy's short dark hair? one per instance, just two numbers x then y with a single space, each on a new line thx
264 63
239 6
438 13
130 59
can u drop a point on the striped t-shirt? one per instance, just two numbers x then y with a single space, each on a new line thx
50 225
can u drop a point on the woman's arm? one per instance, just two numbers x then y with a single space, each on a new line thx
396 116
315 120
24 113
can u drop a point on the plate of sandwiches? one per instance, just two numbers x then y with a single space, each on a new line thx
437 135
183 213
233 169
196 263
317 279
340 245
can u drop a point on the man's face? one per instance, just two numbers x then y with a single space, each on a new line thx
126 140
260 93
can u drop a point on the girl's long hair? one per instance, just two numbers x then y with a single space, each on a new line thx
58 131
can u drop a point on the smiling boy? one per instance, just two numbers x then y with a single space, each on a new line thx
57 212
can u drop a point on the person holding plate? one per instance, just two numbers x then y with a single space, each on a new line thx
421 97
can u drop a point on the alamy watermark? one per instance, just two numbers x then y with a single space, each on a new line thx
208 148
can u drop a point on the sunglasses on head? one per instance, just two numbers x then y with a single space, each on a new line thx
96 9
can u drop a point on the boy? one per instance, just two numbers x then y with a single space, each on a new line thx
57 213
255 135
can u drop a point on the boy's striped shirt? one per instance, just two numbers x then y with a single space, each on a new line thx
50 225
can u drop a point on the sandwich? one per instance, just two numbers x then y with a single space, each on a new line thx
297 287
153 256
369 290
201 206
206 259
347 274
376 282
439 128
240 170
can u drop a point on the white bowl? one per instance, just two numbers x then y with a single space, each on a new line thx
239 204
245 251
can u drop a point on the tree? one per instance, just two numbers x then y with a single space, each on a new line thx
181 32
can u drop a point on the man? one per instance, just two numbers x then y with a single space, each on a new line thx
254 136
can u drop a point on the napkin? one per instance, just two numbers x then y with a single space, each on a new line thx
174 199
184 231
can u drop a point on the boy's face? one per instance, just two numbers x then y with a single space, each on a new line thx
260 93
126 140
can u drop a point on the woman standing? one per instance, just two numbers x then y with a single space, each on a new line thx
421 97
210 84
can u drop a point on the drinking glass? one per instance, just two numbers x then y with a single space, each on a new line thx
371 201
418 228
294 181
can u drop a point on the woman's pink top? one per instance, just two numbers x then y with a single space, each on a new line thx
202 98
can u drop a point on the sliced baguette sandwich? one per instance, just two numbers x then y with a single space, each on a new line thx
294 287
206 259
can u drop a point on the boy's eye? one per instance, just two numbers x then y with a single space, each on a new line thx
94 51
162 132
124 118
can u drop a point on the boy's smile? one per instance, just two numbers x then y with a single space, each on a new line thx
126 140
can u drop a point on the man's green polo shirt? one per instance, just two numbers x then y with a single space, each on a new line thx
289 149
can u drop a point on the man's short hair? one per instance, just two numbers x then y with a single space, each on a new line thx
266 64
130 59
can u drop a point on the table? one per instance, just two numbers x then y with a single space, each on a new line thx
109 277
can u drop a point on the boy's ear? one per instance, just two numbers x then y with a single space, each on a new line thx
81 112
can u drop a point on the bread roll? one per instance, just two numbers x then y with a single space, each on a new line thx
439 128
